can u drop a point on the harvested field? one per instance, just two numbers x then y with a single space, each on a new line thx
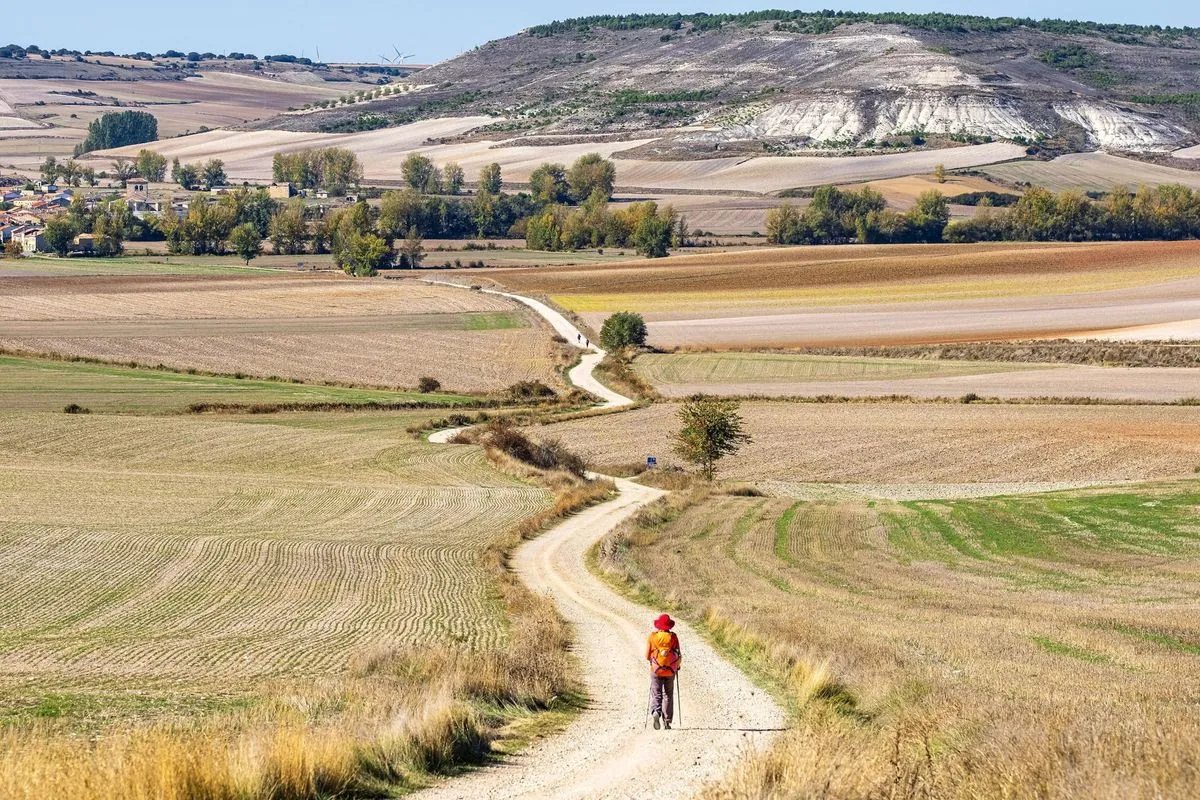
772 375
847 295
910 443
313 328
32 384
200 556
248 154
214 100
1052 637
1090 172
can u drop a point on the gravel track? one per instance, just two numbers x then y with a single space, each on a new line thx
607 751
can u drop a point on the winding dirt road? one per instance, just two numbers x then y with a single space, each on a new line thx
608 752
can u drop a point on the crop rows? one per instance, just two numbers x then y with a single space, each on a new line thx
208 551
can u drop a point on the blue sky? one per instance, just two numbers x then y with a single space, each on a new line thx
352 30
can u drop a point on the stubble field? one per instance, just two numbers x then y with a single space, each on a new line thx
203 555
313 328
907 448
784 375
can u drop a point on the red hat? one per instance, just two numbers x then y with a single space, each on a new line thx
664 623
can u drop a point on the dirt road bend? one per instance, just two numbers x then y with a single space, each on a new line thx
608 751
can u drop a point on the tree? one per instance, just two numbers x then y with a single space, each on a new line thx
652 234
939 173
151 165
483 212
88 176
60 234
123 170
14 249
548 184
418 172
929 216
398 211
186 175
711 428
365 254
623 329
491 179
213 173
591 173
413 248
109 229
453 178
70 172
50 169
784 225
288 229
246 242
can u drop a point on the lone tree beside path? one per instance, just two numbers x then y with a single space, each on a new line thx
712 429
623 329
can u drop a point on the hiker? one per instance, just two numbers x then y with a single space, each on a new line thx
664 655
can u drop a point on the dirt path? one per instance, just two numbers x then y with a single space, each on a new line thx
608 751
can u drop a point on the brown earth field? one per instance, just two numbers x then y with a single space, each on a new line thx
311 327
885 294
212 99
754 374
992 447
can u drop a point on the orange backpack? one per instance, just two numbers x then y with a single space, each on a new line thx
664 654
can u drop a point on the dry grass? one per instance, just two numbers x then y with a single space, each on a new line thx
1014 647
911 443
377 333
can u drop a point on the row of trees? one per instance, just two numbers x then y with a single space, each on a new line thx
209 223
209 174
1163 212
645 226
333 169
835 216
109 223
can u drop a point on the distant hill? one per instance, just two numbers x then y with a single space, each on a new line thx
786 82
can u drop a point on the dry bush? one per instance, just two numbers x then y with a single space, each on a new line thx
543 454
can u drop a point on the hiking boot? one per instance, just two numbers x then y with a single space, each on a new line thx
658 721
666 725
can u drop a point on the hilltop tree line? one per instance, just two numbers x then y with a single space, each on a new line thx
827 20
16 51
1164 212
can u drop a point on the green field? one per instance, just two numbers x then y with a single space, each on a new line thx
33 384
154 265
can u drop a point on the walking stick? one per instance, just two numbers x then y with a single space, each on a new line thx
678 699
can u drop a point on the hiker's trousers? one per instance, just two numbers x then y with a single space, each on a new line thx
662 696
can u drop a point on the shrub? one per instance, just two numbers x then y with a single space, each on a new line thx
623 329
427 384
548 454
75 408
530 390
970 397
